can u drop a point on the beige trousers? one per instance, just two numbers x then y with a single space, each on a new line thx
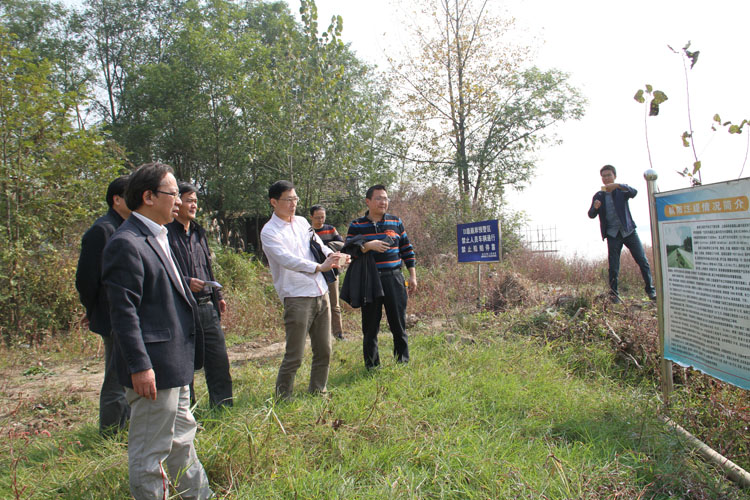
162 433
303 316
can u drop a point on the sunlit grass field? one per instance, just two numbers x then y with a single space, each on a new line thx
474 415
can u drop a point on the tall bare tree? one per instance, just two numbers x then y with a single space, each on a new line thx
477 108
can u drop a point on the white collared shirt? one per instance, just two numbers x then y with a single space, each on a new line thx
287 247
160 233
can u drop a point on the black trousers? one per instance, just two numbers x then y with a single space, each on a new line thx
215 360
114 411
633 243
395 311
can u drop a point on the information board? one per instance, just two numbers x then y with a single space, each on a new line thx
704 235
479 241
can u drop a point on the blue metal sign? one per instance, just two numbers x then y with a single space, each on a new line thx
478 241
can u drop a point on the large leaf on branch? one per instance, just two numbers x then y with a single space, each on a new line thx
658 99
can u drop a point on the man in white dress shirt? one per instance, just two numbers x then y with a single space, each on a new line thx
299 281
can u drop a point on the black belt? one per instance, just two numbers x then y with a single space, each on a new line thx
390 271
206 299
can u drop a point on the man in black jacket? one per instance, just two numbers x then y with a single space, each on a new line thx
190 246
610 204
113 407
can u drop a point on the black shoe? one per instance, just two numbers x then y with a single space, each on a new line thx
339 336
652 298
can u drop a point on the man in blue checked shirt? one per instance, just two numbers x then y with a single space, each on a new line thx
390 254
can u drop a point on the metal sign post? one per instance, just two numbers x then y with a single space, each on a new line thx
479 285
479 242
666 366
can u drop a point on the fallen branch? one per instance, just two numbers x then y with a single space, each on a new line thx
731 469
620 344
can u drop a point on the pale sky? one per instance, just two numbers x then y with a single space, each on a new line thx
610 50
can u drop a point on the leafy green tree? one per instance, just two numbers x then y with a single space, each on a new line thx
123 35
476 110
51 177
242 95
52 32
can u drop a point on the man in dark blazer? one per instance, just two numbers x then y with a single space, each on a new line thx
113 407
154 320
617 226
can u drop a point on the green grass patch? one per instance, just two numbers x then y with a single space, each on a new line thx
496 418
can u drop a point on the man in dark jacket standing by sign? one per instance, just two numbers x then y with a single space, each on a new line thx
113 407
190 246
617 226
384 234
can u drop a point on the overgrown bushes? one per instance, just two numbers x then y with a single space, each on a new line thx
51 178
430 216
253 308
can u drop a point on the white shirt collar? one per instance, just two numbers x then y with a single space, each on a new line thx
155 228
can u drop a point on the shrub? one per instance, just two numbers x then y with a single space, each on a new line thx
234 269
431 215
47 302
507 289
253 307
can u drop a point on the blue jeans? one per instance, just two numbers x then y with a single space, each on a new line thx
633 242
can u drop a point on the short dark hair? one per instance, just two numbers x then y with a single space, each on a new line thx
147 177
315 208
186 187
608 167
376 187
117 188
278 188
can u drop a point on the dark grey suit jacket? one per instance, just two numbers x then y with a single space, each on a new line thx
620 198
89 272
154 320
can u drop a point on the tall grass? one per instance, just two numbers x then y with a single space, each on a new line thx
556 269
496 418
534 386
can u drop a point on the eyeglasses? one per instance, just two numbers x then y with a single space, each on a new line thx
289 200
381 198
173 195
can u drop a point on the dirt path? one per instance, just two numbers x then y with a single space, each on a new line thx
42 397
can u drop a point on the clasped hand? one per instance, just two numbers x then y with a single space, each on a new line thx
379 246
333 261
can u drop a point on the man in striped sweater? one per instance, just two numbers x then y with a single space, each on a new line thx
333 240
386 237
